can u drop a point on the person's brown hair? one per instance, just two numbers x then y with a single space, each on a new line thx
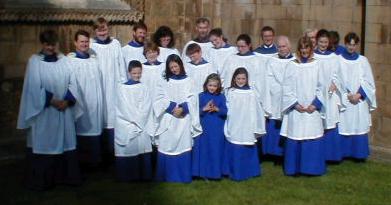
193 48
150 46
213 77
100 23
304 42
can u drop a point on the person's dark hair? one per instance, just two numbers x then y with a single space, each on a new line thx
238 71
213 77
244 37
49 36
322 33
334 35
134 64
193 48
139 25
202 20
173 58
267 28
161 32
351 36
100 23
216 32
81 33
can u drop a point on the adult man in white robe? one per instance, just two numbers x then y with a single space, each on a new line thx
111 64
268 47
202 39
49 92
134 50
89 80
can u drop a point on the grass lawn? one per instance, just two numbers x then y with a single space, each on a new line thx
346 183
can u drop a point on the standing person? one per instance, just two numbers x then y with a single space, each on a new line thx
133 130
198 68
47 113
302 123
111 64
135 48
208 149
268 47
221 50
241 153
176 107
328 68
334 43
89 80
202 39
272 142
358 99
164 38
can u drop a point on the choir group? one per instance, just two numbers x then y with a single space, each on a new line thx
216 110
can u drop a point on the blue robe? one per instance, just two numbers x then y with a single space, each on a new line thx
208 148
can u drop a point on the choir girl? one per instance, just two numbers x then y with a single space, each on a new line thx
302 123
48 114
208 147
358 99
89 81
241 153
268 47
135 48
133 128
176 108
164 38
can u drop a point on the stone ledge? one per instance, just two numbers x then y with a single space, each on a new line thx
380 154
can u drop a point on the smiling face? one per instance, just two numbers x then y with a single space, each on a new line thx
151 55
323 43
268 37
139 35
243 47
135 73
217 41
102 33
283 47
241 80
174 68
202 29
351 46
82 44
212 86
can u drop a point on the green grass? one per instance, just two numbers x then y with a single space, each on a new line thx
346 183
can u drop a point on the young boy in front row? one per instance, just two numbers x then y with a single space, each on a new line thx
133 128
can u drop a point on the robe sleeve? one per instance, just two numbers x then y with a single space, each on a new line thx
121 74
222 105
73 93
193 108
289 92
33 97
367 84
161 101
263 85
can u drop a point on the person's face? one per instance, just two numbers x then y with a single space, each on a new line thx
312 36
305 52
351 46
49 49
174 68
217 41
102 33
195 57
135 73
151 55
202 29
323 43
243 47
268 37
82 44
241 80
283 48
212 86
139 35
164 41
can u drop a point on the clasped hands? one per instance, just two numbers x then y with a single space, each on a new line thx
310 109
60 105
210 107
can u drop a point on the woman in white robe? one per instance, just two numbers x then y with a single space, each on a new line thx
244 124
328 65
133 128
89 80
302 123
48 114
358 98
164 38
176 108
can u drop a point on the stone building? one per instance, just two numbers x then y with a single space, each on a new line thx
21 23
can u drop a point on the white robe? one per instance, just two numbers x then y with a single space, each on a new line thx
245 118
256 68
276 70
113 69
89 81
300 85
175 135
165 52
205 47
328 65
50 131
199 73
218 56
356 119
133 130
133 53
150 77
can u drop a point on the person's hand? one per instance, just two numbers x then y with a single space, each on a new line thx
354 98
208 107
215 108
311 109
332 88
63 105
300 108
